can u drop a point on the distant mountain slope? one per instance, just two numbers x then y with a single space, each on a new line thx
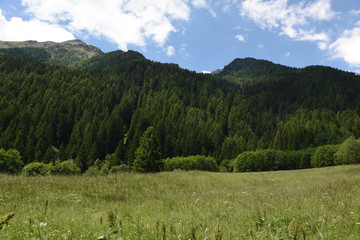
105 105
250 70
111 59
70 53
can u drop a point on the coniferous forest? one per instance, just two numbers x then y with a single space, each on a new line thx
120 109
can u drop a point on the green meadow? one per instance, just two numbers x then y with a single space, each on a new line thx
322 203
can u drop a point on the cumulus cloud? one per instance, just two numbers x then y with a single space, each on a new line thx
355 12
170 51
294 20
123 22
18 30
240 38
347 47
199 3
204 4
322 45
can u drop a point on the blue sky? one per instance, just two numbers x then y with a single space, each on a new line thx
200 35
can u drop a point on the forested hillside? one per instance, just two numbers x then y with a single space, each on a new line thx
104 106
70 53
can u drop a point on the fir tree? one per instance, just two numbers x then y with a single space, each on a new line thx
148 155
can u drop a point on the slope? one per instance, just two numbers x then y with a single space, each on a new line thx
249 70
70 53
101 110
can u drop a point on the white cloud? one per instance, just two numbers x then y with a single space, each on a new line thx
183 52
204 4
293 20
288 54
322 45
123 22
240 38
170 51
319 10
199 3
227 5
347 47
18 30
355 12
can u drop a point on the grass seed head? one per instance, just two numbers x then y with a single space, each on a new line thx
192 233
218 232
112 218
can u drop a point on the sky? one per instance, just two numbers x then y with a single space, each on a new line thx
199 35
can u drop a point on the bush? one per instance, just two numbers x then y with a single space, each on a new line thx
226 166
323 156
10 161
198 162
105 168
35 169
119 169
305 160
92 171
66 168
269 160
349 152
260 160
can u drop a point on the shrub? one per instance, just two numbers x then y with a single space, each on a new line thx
10 161
198 162
349 152
105 168
92 171
35 169
323 156
269 160
305 160
119 169
246 162
67 167
226 166
260 160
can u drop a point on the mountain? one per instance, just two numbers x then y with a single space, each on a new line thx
101 106
250 70
69 53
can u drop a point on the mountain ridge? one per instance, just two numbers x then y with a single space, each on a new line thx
69 53
239 67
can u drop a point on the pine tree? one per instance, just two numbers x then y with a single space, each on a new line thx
148 155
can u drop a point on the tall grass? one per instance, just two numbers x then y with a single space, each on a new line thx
304 204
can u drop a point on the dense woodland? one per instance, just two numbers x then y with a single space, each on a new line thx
104 108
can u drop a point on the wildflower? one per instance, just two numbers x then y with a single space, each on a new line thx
43 224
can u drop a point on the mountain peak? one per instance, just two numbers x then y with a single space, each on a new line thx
69 53
244 69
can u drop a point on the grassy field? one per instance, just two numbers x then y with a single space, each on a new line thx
312 204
